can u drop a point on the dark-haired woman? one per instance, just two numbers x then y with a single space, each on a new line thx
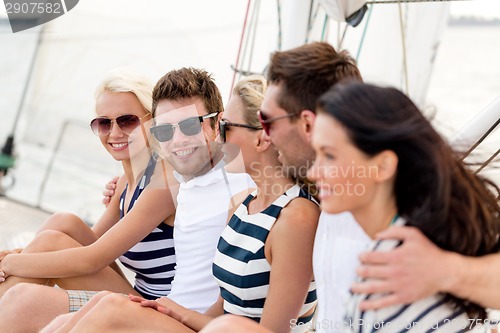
379 158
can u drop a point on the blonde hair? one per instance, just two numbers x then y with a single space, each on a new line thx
123 80
251 91
126 80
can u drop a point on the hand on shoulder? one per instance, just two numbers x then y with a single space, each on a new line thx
417 262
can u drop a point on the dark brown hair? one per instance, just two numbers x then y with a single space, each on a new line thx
187 83
306 72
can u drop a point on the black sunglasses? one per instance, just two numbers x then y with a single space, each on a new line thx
224 126
102 126
190 126
266 122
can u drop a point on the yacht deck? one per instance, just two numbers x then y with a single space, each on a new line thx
18 223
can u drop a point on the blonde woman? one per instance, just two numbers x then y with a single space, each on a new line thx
136 226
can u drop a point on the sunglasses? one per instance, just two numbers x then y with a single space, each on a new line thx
102 126
224 126
266 122
190 126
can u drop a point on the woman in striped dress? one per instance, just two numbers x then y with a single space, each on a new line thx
263 258
80 259
392 167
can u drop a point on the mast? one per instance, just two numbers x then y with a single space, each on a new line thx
480 127
295 22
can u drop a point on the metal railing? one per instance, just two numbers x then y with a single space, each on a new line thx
477 130
50 165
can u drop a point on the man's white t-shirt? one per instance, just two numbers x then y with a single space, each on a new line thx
201 215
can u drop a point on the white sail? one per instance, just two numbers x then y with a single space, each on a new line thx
340 10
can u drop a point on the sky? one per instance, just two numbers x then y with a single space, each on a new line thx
481 8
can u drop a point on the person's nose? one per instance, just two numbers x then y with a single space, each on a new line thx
178 136
115 130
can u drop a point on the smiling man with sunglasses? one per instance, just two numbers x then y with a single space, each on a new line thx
187 140
187 107
186 118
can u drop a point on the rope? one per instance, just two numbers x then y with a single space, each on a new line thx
487 162
324 32
239 48
343 36
403 40
247 38
309 19
252 30
279 25
481 139
327 34
244 72
338 34
364 33
312 19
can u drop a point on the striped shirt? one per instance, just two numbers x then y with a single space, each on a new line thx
240 265
431 314
153 258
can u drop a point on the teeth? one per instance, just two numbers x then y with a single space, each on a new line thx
118 145
183 153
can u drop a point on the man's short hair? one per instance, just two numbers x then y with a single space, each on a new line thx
187 83
308 71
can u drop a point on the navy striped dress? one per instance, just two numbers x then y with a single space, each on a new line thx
431 314
240 265
153 258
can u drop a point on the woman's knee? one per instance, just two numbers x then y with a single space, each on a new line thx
66 319
28 307
50 240
64 222
30 298
99 296
108 310
12 306
231 323
109 300
57 323
71 225
18 295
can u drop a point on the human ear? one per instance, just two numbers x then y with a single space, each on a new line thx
217 128
308 117
387 165
262 141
